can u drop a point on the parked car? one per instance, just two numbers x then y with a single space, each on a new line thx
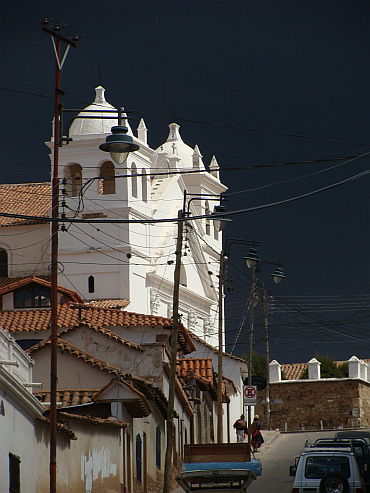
327 470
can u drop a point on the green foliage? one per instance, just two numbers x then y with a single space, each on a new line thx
258 363
328 368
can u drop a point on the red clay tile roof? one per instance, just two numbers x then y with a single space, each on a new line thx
64 416
66 398
108 303
31 199
200 368
8 284
60 427
70 316
293 371
5 281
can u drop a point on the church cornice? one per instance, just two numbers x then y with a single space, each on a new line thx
168 285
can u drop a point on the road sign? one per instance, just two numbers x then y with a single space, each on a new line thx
250 395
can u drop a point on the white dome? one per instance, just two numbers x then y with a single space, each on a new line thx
175 145
96 125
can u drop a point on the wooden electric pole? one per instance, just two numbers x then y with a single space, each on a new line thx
174 337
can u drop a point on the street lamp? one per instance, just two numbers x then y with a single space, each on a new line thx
119 144
254 262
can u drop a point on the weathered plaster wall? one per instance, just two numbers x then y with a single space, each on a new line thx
326 403
90 464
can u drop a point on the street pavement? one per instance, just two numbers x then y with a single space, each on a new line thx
276 455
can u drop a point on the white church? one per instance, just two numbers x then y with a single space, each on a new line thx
135 261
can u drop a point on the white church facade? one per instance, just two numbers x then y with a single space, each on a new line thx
135 261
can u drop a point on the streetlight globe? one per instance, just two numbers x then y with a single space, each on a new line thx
119 144
219 221
278 275
252 258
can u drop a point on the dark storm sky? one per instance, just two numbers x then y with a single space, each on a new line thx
255 83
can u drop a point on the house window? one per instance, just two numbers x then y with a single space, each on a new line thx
107 182
134 180
138 458
158 446
14 474
3 263
144 186
31 296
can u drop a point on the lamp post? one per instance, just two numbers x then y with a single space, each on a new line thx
254 262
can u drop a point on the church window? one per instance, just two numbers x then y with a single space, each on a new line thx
134 180
107 182
3 263
91 283
144 186
31 296
208 222
75 171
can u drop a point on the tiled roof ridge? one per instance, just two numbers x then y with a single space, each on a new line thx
214 349
25 184
107 332
14 283
61 428
79 353
92 420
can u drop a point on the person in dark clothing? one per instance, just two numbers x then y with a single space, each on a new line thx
240 426
256 437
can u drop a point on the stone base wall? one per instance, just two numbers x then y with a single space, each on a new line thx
156 485
316 404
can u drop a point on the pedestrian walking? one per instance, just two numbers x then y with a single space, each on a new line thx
256 436
240 425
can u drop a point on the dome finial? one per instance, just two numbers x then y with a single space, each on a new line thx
99 95
174 133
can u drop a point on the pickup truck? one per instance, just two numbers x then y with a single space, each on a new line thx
327 469
223 467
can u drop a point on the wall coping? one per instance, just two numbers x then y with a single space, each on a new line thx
306 380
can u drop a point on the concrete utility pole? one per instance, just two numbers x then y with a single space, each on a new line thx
219 376
174 337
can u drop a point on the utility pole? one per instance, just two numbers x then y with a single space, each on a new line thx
250 343
265 309
219 376
174 337
56 40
